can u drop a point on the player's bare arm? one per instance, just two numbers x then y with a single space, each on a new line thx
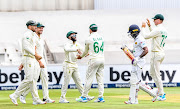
144 52
148 23
20 67
38 57
41 64
79 51
143 25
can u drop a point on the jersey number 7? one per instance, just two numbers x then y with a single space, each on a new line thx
164 37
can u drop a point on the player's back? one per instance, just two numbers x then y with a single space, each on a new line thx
96 46
160 40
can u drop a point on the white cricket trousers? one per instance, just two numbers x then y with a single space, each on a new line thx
95 68
71 70
29 81
134 80
42 72
156 60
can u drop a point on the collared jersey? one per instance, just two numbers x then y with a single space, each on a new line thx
159 36
94 46
139 44
28 43
70 50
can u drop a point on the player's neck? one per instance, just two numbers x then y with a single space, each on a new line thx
39 35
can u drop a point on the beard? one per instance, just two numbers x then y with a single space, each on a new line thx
73 39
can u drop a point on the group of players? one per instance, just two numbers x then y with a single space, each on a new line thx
34 63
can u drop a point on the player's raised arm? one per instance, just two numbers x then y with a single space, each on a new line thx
149 24
152 34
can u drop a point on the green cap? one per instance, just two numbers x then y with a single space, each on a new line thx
93 27
31 22
40 25
70 32
158 16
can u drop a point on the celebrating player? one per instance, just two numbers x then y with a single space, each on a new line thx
70 68
139 51
158 35
95 47
42 71
30 57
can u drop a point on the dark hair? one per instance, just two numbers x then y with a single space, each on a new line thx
28 25
94 30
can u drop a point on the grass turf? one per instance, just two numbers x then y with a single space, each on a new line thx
114 99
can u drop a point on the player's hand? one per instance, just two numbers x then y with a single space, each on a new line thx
135 61
143 25
148 23
78 50
20 67
123 46
41 64
79 57
38 57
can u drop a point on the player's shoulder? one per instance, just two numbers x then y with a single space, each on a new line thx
28 34
140 38
89 38
68 42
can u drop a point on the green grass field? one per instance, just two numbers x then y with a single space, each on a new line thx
114 99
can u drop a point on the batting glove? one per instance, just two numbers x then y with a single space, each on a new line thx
135 61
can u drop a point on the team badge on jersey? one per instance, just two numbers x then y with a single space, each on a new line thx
135 42
29 65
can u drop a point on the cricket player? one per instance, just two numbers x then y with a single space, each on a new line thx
42 71
70 68
139 51
94 45
158 36
30 57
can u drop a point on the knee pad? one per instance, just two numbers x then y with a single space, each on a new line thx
133 79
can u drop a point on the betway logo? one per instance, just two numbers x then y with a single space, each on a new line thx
14 77
125 75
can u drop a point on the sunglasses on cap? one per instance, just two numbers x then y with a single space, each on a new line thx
74 35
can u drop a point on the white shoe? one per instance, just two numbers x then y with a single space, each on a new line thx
156 91
90 98
22 99
48 100
38 102
63 100
129 102
14 100
136 101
